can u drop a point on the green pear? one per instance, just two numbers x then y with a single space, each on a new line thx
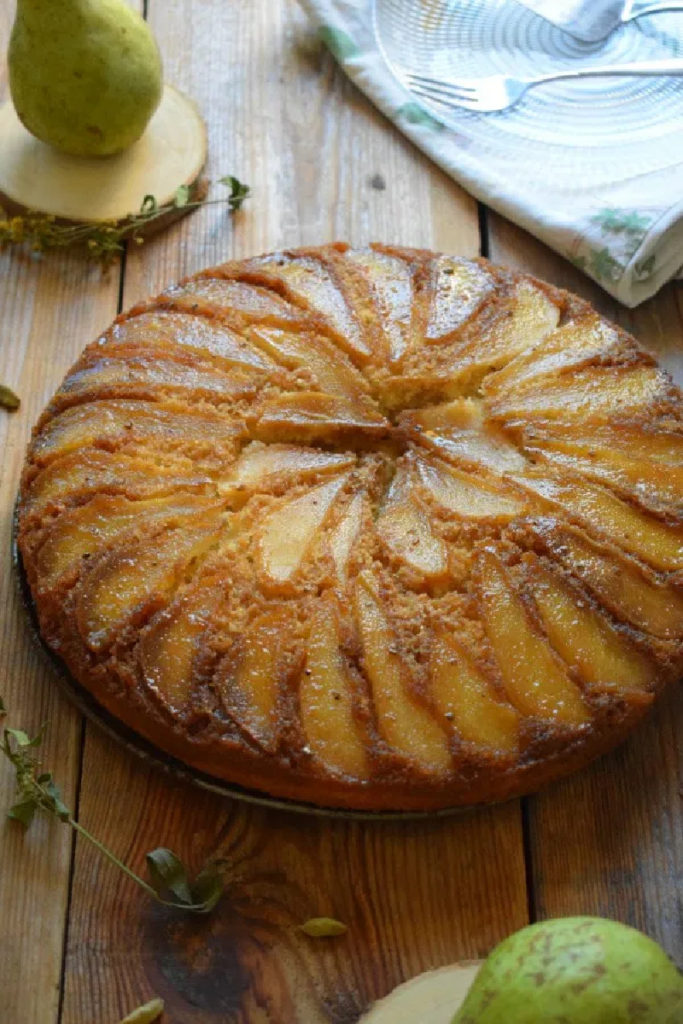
575 970
85 75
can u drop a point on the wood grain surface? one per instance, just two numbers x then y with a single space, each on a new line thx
79 943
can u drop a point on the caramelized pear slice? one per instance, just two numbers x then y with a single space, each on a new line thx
130 584
170 644
532 316
311 282
462 694
602 512
649 482
204 335
229 295
458 288
253 692
333 373
307 416
604 659
261 467
592 395
84 473
344 533
536 681
466 414
391 281
619 583
578 342
89 529
152 377
459 432
110 424
656 443
403 524
289 530
458 492
326 699
406 725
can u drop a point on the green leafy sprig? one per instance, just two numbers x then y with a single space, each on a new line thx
104 240
169 882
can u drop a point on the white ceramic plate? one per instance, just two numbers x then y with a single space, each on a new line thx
568 129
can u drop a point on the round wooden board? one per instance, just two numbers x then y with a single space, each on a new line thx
36 177
429 998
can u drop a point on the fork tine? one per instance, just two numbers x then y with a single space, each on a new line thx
466 102
448 94
440 83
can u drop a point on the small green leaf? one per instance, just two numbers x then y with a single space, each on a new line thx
55 800
149 205
168 874
182 196
208 888
323 927
22 740
23 811
145 1014
238 191
8 400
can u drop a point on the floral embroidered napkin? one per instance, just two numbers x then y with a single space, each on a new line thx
624 229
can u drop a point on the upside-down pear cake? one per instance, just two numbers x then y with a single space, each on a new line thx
372 528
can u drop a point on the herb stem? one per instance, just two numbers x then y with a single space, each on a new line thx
37 791
114 859
103 240
129 871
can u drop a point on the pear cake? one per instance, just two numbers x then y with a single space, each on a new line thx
367 528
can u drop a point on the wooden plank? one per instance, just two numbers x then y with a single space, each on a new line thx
316 154
609 841
50 307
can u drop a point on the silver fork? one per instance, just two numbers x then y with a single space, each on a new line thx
498 92
591 26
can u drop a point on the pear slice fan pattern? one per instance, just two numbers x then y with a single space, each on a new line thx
376 529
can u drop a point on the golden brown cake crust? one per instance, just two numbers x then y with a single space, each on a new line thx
375 528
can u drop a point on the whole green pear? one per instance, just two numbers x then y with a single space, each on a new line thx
575 970
85 75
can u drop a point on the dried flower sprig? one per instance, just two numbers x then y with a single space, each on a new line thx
104 240
37 791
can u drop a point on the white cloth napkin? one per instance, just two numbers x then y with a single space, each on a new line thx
625 230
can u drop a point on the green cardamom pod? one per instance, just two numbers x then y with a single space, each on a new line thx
8 400
145 1014
323 927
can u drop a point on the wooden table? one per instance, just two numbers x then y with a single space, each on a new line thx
79 944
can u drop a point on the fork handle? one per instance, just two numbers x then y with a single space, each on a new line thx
639 67
654 8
